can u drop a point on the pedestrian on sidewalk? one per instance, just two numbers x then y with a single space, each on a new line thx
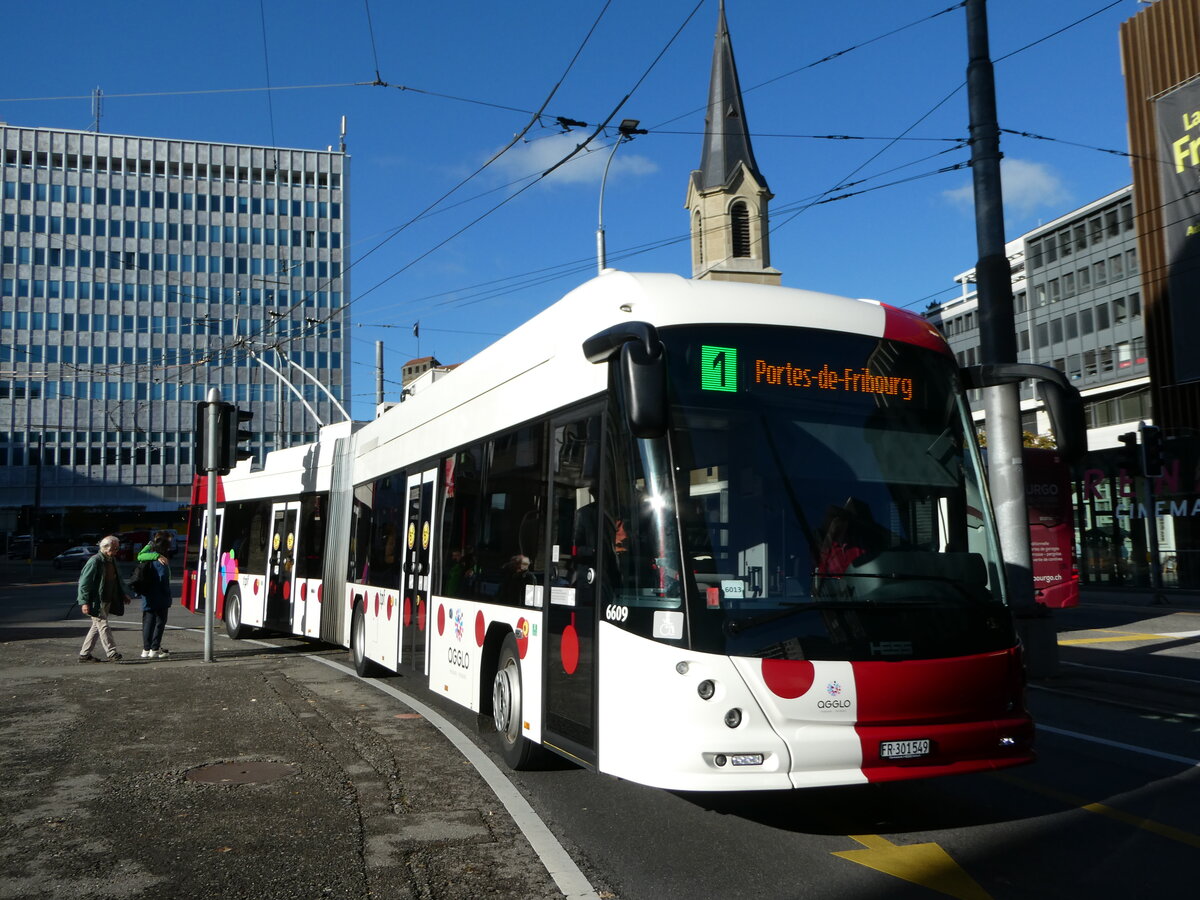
99 586
155 587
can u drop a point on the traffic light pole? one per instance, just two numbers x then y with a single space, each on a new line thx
211 453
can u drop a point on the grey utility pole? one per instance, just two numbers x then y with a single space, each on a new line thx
1002 404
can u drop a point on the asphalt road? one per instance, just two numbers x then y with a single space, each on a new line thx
385 806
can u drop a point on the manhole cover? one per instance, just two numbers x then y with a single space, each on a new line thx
241 773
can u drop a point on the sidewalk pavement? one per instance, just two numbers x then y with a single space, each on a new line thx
333 790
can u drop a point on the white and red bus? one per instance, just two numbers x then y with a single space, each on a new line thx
698 535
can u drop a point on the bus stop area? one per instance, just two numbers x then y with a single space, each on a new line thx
263 774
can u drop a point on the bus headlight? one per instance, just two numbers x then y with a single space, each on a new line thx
733 718
706 689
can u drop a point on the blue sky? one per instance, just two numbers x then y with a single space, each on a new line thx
475 72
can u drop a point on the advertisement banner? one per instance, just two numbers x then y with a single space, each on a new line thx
1178 115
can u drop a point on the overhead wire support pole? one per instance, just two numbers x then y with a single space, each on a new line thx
1002 404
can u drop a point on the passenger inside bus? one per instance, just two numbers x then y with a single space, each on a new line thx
515 577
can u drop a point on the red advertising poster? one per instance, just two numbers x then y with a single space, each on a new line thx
1051 531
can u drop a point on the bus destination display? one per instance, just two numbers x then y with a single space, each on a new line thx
719 372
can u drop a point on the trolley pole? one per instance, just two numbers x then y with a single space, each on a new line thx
211 443
1002 404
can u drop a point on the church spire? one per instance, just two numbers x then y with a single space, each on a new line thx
727 196
726 133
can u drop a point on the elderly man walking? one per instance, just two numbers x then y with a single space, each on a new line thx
99 586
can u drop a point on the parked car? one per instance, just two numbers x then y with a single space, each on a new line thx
75 557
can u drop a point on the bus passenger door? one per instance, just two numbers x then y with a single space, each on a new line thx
281 566
418 552
195 594
576 533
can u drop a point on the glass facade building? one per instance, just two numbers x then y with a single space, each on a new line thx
135 274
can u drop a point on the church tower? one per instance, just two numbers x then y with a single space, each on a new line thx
727 196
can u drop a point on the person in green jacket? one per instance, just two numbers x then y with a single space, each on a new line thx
99 585
156 594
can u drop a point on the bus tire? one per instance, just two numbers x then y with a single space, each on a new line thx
518 751
358 644
233 615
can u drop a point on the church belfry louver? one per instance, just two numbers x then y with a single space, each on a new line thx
727 196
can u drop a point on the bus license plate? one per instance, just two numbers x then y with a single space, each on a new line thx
904 749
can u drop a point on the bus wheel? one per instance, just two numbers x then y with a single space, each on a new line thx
507 713
358 644
233 615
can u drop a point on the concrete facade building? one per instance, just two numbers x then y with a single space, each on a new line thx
136 274
1077 299
1078 303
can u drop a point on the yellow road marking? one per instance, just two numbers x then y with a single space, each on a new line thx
1116 639
1169 832
925 864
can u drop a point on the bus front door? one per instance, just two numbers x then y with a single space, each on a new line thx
281 566
414 589
576 536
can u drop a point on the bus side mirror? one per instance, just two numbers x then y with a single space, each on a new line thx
1062 399
642 373
644 380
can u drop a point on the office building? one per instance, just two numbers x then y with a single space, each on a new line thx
137 273
1078 306
1077 301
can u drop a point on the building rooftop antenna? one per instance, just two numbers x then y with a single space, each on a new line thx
97 108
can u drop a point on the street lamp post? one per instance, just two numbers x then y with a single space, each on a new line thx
628 128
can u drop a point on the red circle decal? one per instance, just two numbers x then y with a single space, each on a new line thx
321 592
407 611
422 614
788 678
287 590
480 628
377 603
441 620
570 648
303 590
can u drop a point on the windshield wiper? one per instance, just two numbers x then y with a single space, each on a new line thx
737 626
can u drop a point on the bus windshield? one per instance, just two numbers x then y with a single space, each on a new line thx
830 500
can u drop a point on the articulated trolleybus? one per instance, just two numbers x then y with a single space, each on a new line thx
703 536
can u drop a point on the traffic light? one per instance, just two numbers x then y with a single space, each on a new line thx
231 435
1128 457
1152 451
200 435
